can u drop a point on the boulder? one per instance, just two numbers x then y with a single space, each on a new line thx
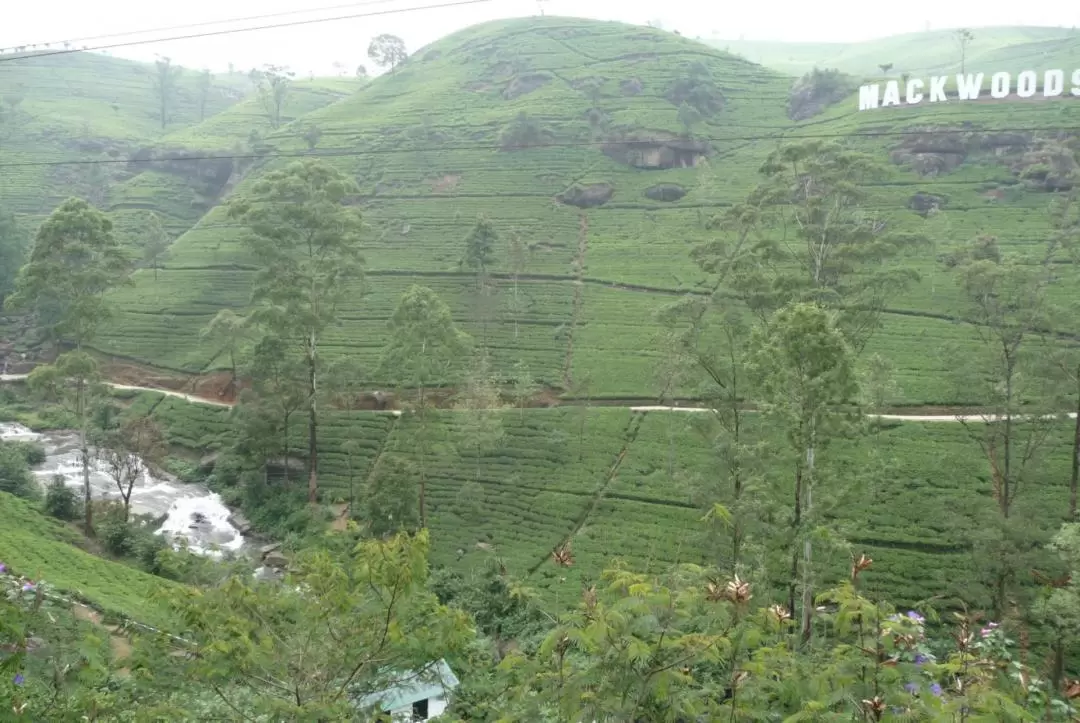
208 462
587 196
267 549
925 203
240 522
665 192
525 83
276 559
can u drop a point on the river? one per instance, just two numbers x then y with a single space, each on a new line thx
192 512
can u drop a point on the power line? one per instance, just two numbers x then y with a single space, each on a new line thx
253 28
170 28
352 152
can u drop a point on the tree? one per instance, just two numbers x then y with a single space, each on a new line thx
479 254
1006 305
273 84
963 38
423 350
165 85
75 260
155 242
387 50
312 136
361 71
524 386
885 68
203 82
802 367
519 258
812 240
228 331
308 239
285 643
12 253
480 408
130 452
689 116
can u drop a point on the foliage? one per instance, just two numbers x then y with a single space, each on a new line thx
307 239
337 631
130 452
12 253
155 242
15 475
273 85
74 260
165 81
387 50
60 500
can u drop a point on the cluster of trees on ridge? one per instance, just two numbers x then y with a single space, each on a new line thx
796 314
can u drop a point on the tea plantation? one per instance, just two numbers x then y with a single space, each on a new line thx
618 483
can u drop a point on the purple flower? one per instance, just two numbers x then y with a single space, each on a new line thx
19 679
920 659
915 616
936 689
911 687
3 568
986 632
28 587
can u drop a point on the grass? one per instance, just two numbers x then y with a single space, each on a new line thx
549 479
44 549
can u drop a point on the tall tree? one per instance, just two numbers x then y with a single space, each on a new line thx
824 245
155 242
307 238
166 77
424 348
802 367
273 84
228 331
12 253
963 38
203 82
129 452
1006 305
478 257
519 259
480 424
387 51
75 260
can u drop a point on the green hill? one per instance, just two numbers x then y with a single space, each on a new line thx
925 53
429 147
42 548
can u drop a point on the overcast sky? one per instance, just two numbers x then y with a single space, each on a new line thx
316 47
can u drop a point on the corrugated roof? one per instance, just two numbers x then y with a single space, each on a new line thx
434 680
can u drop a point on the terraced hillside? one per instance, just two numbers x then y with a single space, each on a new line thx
528 122
1003 48
619 483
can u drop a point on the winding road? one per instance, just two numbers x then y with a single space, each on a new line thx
953 418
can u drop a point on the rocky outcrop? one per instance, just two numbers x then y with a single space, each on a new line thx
936 151
665 192
656 151
816 91
525 83
209 171
926 203
241 523
631 86
588 195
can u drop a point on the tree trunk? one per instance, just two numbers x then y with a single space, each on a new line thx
796 522
313 440
84 451
808 590
1075 479
423 460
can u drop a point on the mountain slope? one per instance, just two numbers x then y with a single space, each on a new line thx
923 53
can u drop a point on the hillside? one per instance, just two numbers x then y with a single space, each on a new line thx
926 53
427 146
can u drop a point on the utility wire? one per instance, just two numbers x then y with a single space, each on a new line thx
171 28
253 28
352 152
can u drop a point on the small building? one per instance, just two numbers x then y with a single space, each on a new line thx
418 697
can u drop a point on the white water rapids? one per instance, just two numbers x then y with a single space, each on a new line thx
192 512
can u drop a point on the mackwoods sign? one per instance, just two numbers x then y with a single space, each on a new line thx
969 87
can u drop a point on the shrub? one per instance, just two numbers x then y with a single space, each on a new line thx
15 475
61 501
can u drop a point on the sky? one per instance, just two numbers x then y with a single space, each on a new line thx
317 47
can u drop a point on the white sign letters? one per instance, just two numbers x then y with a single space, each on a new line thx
968 87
